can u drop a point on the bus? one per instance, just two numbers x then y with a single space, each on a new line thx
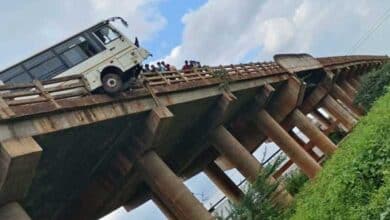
102 54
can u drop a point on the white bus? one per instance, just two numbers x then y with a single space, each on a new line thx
104 56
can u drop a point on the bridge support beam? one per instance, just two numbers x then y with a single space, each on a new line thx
223 182
170 189
354 81
245 162
312 132
339 93
232 149
163 208
350 90
297 154
342 115
325 122
18 160
13 211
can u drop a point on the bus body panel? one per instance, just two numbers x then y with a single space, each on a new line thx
119 52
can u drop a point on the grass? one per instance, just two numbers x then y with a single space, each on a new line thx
355 182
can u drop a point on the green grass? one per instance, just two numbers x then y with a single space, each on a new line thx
355 182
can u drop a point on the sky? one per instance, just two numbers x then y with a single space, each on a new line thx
212 31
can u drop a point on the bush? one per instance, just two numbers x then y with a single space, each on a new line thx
295 181
355 182
373 86
257 201
337 136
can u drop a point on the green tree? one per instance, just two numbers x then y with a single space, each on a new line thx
257 202
373 86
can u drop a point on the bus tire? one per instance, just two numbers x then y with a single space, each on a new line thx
112 83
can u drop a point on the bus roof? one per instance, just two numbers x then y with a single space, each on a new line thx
104 22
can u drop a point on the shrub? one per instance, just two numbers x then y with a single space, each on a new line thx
355 182
337 136
257 201
295 181
373 86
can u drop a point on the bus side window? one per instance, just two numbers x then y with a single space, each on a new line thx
48 68
21 78
76 51
15 75
106 34
10 73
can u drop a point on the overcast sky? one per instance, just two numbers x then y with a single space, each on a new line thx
211 31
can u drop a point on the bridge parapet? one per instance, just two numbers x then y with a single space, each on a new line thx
20 100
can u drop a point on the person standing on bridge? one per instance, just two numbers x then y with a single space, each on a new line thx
164 66
146 68
153 68
187 67
160 68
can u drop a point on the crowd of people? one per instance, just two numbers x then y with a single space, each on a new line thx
161 66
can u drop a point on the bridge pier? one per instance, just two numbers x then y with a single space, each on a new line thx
299 156
354 81
223 182
18 160
312 132
163 208
342 115
350 90
307 147
232 149
245 162
325 122
339 93
13 211
170 189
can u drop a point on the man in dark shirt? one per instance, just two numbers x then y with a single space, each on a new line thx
186 68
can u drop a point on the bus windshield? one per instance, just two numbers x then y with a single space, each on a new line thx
106 34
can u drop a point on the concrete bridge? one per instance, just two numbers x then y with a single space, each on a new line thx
77 155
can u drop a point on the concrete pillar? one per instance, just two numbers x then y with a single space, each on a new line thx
339 93
13 211
223 182
170 189
272 129
18 160
232 149
312 132
332 122
348 88
320 118
342 115
307 147
245 162
354 82
165 210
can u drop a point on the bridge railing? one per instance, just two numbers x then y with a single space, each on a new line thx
75 86
41 91
179 76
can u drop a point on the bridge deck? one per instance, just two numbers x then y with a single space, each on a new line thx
84 137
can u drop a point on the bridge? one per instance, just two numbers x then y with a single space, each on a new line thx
68 154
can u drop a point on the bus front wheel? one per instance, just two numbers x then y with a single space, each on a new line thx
112 83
